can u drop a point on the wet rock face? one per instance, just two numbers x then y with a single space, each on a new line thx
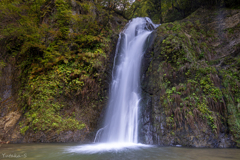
149 26
10 133
186 57
8 89
67 136
11 115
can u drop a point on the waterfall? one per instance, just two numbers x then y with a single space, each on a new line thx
121 119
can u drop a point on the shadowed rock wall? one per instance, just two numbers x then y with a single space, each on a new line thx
191 82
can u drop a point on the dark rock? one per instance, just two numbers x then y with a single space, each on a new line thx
155 127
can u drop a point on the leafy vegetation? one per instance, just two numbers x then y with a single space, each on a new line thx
60 48
196 91
170 10
61 52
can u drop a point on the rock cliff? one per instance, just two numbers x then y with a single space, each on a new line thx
191 82
54 69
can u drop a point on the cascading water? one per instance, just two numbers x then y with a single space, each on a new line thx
121 121
120 129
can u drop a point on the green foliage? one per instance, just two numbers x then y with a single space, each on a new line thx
231 93
195 90
170 10
24 129
43 92
61 55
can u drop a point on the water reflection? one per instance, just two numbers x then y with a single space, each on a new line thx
71 151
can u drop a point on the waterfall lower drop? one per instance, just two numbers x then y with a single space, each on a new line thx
121 122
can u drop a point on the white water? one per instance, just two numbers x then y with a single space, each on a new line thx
120 129
121 121
106 147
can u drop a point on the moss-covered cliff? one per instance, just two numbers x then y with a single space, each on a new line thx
56 57
191 84
55 61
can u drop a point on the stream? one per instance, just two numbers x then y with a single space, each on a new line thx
74 151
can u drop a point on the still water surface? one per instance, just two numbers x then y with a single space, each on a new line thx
73 151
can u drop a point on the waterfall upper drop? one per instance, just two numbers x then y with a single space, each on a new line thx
121 119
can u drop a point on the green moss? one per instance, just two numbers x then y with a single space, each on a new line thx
61 56
193 89
231 94
24 129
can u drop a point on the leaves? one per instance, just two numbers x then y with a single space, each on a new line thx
60 54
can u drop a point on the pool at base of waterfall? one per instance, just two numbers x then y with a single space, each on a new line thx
111 151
